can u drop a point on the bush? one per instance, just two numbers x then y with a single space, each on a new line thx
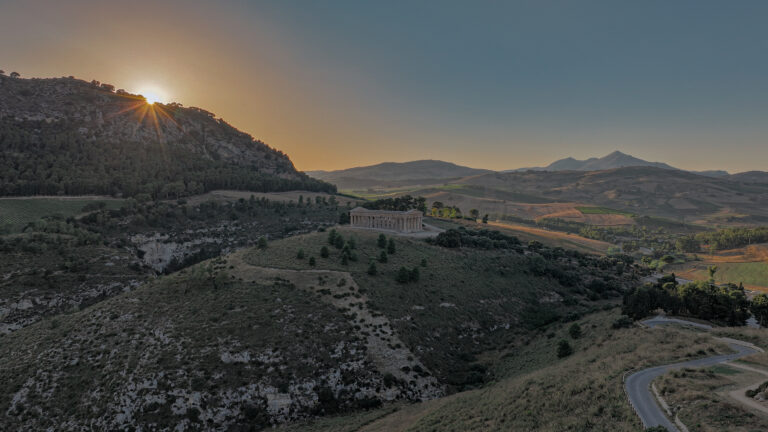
324 252
300 254
423 262
382 241
622 322
575 331
312 261
391 247
564 349
372 269
262 242
383 257
403 276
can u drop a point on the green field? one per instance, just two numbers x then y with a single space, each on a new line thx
753 273
602 210
16 213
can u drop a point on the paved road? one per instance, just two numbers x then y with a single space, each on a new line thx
638 384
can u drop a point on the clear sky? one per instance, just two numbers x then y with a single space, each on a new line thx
491 84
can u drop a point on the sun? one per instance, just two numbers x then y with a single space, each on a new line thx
153 94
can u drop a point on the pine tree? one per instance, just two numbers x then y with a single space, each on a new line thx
382 241
383 257
391 247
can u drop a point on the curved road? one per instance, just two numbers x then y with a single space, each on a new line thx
638 385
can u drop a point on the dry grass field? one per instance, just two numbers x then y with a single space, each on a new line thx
553 238
535 391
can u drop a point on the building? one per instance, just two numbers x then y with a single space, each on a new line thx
400 221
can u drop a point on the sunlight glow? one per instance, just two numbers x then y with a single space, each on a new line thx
152 93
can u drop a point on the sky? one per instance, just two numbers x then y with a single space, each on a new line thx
487 84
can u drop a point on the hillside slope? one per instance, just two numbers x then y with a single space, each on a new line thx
394 174
262 337
65 136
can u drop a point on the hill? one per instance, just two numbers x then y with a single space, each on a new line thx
394 174
642 190
65 136
262 336
750 177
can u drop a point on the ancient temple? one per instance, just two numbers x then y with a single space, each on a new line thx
400 221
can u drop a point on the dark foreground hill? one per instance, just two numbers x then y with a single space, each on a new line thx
68 137
263 336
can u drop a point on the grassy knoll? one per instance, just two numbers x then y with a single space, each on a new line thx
15 213
536 391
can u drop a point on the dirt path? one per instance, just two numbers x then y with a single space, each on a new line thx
740 396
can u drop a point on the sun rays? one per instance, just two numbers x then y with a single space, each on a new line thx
154 113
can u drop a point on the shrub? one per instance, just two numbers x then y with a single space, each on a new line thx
391 247
312 261
575 331
423 262
403 275
564 349
324 252
372 269
300 254
382 241
622 322
383 257
262 242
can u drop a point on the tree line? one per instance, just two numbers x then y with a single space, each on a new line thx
727 304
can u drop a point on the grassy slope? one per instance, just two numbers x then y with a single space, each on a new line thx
461 293
16 213
538 392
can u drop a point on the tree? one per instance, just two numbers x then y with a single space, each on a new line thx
759 308
403 276
391 247
383 257
372 269
344 218
344 259
414 274
15 74
423 262
712 271
382 241
575 331
564 349
332 237
324 252
339 242
485 219
300 254
474 214
262 242
312 261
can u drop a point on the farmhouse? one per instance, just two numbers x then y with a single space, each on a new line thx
400 221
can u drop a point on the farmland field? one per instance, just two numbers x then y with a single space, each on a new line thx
754 275
601 210
15 213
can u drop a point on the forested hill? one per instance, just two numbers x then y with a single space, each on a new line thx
65 136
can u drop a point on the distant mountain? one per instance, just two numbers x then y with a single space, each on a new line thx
65 136
616 159
750 177
393 174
